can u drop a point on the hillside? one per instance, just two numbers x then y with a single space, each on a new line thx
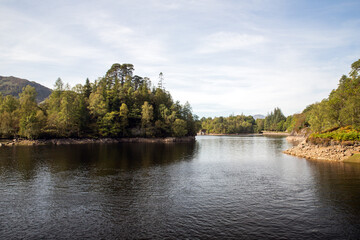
13 86
259 116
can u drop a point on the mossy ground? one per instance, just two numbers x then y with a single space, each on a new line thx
347 133
353 159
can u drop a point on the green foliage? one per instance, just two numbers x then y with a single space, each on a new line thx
288 123
32 119
275 121
297 122
259 125
353 159
67 112
229 125
179 128
32 124
117 105
146 119
110 125
124 122
9 116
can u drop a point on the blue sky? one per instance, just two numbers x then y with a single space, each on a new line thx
224 57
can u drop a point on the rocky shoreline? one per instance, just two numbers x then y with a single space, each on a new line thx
272 133
68 141
332 151
231 134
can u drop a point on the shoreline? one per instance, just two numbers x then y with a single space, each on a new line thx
68 141
270 133
267 133
233 134
334 151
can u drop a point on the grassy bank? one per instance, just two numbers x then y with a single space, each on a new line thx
339 134
353 159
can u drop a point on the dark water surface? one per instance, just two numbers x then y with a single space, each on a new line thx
219 187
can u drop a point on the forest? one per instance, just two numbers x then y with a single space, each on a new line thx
120 104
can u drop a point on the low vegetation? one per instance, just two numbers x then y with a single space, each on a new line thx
353 159
340 134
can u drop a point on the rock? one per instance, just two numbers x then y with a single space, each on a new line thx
332 152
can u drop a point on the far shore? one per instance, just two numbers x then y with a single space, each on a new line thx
236 134
265 133
68 141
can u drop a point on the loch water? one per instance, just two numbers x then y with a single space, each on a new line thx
220 187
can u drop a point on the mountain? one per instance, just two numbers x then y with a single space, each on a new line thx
258 116
13 86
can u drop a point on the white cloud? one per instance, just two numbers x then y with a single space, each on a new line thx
228 41
132 43
29 40
222 56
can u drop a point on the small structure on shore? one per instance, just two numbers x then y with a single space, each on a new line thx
202 132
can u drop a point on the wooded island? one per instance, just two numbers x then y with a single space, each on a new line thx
119 104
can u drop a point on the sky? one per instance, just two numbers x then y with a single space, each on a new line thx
223 57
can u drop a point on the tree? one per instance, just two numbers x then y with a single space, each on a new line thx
59 85
110 125
355 68
259 124
274 121
70 115
97 105
32 119
147 115
119 71
179 128
124 117
189 119
9 116
87 88
137 81
161 81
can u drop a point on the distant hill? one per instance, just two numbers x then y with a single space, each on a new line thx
258 116
13 86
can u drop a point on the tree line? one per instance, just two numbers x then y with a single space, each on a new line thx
119 104
228 125
274 121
